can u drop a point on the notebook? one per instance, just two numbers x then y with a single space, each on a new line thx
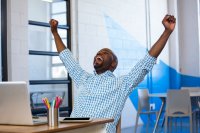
15 104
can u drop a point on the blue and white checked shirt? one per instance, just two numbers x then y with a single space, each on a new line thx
103 95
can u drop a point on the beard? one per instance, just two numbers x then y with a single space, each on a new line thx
97 66
102 67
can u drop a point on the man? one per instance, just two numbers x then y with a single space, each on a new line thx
102 95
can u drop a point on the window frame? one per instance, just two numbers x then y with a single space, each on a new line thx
4 63
49 53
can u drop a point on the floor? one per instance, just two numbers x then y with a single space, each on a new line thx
176 128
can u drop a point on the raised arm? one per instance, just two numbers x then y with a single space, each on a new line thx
137 74
169 22
59 43
75 71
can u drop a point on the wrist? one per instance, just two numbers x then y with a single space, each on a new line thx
54 33
168 31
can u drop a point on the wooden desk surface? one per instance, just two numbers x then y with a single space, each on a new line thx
46 129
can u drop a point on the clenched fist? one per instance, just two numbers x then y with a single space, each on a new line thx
53 24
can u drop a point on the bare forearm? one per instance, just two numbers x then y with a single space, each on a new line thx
169 22
59 43
160 44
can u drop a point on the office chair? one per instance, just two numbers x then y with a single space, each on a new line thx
178 104
143 106
195 106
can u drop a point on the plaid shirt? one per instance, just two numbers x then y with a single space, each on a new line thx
103 95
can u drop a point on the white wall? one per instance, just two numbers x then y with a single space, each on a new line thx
174 40
92 30
17 38
188 15
158 9
185 47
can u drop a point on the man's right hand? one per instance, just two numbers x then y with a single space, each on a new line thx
53 24
59 44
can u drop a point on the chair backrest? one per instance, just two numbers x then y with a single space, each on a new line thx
178 101
143 99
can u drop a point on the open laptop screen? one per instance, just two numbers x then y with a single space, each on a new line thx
15 103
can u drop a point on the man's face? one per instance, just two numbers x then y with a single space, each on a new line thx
104 60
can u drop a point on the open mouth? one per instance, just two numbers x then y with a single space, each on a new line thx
98 61
99 58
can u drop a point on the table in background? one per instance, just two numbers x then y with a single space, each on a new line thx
163 97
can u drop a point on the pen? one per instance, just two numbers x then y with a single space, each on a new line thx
53 104
58 101
45 103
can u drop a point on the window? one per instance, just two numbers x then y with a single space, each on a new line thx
48 77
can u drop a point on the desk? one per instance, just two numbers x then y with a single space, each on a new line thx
163 97
95 126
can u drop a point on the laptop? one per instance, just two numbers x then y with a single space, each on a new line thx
15 104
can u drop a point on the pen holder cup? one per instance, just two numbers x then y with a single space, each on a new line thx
52 117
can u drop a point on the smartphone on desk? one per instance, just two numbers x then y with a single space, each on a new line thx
76 119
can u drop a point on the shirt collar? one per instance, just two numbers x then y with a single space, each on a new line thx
106 73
